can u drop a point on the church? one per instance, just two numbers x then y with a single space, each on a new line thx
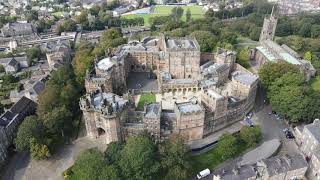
270 51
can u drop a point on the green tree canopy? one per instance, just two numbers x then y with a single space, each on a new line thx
251 135
139 159
308 56
243 57
226 146
30 128
90 164
206 40
174 158
271 71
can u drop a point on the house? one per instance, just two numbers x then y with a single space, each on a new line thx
310 141
17 29
14 64
237 173
30 89
283 167
9 122
310 145
58 54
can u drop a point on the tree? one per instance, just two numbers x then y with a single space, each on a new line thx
89 165
34 53
174 158
305 30
188 15
243 57
271 71
315 31
291 102
112 153
30 128
109 172
206 40
38 151
308 56
2 69
251 135
226 146
83 61
139 159
112 38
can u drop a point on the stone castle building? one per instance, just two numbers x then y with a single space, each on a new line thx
227 91
270 51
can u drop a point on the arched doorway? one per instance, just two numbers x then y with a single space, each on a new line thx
101 132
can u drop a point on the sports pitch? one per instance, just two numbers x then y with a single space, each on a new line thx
160 10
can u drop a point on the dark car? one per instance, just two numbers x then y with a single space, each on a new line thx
289 134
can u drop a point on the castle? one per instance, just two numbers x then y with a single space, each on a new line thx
223 91
270 51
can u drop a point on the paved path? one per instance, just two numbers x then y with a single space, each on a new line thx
21 168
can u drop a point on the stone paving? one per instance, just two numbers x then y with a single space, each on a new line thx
52 168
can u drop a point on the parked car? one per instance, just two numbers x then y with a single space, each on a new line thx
203 173
288 133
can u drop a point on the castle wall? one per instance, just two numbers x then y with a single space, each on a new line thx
190 125
184 64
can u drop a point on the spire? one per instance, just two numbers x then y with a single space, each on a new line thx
272 10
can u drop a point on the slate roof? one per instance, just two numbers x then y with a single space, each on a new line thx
6 118
21 105
281 164
153 110
314 129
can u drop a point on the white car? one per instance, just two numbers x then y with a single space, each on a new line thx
203 173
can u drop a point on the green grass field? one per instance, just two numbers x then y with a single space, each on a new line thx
196 13
315 84
146 98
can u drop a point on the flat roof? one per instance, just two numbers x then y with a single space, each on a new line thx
267 54
244 78
105 64
214 94
189 107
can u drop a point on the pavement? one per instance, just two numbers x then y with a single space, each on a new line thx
20 167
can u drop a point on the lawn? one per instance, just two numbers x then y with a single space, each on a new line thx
315 83
196 13
146 98
211 159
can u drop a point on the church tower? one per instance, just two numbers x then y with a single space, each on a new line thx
269 27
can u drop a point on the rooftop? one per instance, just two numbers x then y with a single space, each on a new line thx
153 110
280 164
181 44
274 52
6 118
100 98
245 78
189 107
214 94
314 129
105 64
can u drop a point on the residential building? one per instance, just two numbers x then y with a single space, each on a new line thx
14 64
283 167
310 141
9 122
17 29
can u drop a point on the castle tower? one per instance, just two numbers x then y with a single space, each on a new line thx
104 114
269 27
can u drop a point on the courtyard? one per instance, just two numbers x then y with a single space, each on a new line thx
142 81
